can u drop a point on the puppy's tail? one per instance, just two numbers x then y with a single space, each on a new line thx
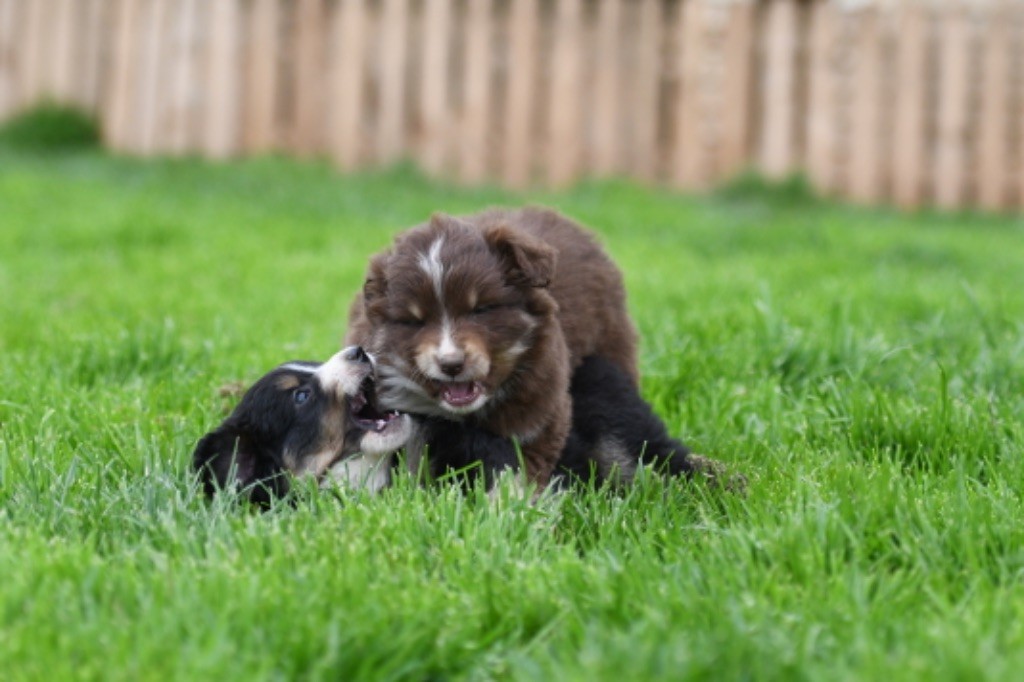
681 462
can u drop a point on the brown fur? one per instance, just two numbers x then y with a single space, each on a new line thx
527 294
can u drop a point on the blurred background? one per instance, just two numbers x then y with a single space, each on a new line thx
906 102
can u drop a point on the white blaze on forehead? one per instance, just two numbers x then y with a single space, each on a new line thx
447 349
431 264
301 369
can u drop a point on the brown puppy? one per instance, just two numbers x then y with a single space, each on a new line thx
483 318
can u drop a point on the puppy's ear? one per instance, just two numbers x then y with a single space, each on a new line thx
223 458
376 284
527 260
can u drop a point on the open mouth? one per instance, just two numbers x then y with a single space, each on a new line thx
365 411
460 393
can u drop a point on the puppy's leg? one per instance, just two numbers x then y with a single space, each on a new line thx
468 447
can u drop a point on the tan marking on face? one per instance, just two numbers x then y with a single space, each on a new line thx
287 382
415 310
330 445
471 298
478 362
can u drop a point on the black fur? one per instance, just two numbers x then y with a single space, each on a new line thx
245 450
606 405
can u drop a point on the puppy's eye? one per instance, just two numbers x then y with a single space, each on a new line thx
300 395
483 309
409 322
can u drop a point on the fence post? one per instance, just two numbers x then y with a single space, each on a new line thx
687 171
9 18
64 65
821 157
950 175
477 121
123 63
307 137
643 112
220 135
994 110
262 83
32 35
393 40
908 148
149 85
1017 197
94 52
182 72
348 61
435 100
518 152
565 120
778 153
739 69
865 170
604 110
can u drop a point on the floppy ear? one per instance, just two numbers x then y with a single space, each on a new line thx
224 457
376 285
227 458
527 260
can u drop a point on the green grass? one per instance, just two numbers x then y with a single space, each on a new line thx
864 369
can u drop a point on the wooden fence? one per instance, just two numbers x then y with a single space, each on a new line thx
906 101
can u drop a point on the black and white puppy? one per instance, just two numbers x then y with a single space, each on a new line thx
304 419
321 420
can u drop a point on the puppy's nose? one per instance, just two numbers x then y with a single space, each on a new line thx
451 361
452 368
356 354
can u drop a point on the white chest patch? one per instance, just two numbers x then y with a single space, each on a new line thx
370 472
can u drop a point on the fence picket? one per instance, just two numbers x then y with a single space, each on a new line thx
176 128
435 99
347 55
392 58
642 118
950 175
307 136
34 39
564 135
909 164
9 67
63 48
688 152
778 153
821 119
604 109
150 85
517 152
262 82
737 90
88 70
477 124
220 134
119 109
865 175
994 111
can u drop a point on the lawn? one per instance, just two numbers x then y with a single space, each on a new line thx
864 369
